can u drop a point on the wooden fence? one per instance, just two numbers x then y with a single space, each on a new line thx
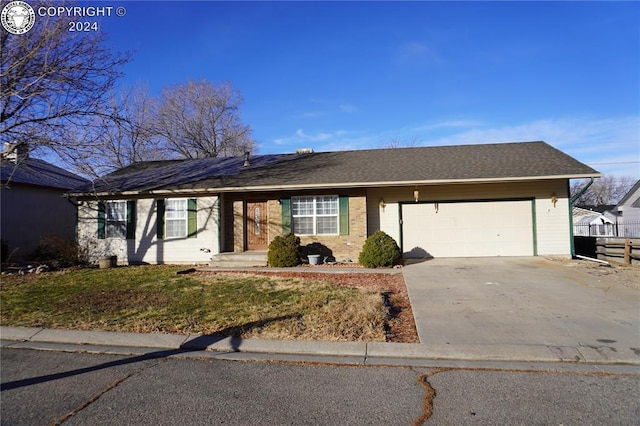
621 250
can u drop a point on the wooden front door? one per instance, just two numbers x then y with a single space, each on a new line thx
256 228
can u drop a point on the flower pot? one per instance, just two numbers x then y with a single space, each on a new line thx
108 262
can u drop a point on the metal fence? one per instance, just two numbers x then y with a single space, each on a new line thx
629 229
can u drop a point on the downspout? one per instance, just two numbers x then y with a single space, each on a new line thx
571 201
77 215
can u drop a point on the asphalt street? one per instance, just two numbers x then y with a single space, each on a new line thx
49 387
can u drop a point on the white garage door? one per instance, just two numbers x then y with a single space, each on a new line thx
468 229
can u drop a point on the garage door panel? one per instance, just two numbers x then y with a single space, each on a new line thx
469 229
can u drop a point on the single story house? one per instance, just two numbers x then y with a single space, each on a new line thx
505 199
32 205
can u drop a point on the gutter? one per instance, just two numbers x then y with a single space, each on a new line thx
330 185
571 201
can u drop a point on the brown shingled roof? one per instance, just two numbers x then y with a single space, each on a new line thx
373 167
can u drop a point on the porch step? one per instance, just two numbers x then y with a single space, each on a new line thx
238 260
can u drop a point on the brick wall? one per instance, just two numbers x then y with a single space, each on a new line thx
342 246
238 226
274 219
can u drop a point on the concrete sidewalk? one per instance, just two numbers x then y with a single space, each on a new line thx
362 353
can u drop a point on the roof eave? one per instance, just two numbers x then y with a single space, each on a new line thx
344 185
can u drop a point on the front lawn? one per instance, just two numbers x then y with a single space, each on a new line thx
154 299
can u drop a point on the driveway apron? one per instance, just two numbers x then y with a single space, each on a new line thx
521 301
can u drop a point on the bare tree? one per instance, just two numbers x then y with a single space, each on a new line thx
51 79
121 135
607 190
192 120
198 119
132 137
399 143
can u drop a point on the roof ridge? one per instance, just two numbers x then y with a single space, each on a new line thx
429 147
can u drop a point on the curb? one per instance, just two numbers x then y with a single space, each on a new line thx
307 269
352 352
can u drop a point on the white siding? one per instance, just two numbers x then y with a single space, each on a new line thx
146 247
629 221
552 222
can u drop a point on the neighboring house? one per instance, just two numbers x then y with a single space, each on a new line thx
31 200
602 209
590 223
508 199
627 213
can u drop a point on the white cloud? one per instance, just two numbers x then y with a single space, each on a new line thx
301 137
348 108
313 114
456 124
417 53
597 142
609 145
327 108
318 137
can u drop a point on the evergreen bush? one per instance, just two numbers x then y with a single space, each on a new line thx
284 251
379 251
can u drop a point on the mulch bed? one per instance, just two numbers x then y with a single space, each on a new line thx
402 328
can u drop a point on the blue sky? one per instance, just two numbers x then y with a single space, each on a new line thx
355 75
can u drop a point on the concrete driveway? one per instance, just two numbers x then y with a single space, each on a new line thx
517 302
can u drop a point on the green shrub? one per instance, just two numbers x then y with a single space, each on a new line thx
284 251
379 250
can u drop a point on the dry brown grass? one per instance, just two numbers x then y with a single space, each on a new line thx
155 299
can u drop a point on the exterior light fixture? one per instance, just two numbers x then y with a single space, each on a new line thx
416 195
382 204
554 199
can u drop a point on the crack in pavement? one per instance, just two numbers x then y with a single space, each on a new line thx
423 379
98 395
427 402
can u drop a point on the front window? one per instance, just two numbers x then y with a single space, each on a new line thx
116 218
315 215
176 218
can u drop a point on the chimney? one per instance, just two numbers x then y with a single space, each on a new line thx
15 151
246 159
304 151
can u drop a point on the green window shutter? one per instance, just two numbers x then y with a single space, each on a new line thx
344 215
192 218
160 219
286 216
131 219
102 222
